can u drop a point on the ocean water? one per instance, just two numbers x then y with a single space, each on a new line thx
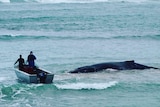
67 34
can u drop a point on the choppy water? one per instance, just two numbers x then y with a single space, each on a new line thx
66 34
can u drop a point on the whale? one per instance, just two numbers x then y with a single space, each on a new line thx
125 65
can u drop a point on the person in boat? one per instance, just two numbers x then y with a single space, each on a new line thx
21 62
31 59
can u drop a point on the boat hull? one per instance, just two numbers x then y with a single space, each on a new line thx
34 77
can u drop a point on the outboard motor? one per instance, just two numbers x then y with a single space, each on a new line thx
42 77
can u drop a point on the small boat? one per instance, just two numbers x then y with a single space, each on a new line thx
34 75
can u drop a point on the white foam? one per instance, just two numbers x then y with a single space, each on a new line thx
134 1
77 1
3 79
79 86
88 1
5 1
70 1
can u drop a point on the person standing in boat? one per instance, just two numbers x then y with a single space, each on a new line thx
31 59
21 62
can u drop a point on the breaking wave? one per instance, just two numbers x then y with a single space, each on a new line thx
72 37
87 86
19 37
153 37
73 1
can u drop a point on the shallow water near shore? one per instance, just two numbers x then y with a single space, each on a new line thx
68 34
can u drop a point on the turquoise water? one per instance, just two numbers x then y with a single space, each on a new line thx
67 34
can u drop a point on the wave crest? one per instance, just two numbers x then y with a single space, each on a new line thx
19 37
71 37
73 1
87 86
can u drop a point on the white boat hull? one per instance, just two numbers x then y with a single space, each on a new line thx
33 78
